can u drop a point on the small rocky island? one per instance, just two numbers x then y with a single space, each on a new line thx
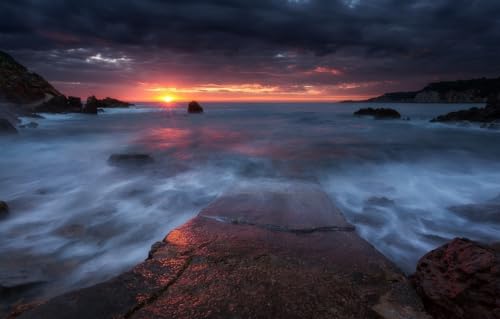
194 108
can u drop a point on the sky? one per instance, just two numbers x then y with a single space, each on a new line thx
251 50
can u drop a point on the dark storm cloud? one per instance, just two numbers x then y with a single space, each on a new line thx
274 41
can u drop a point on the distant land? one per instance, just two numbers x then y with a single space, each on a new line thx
462 91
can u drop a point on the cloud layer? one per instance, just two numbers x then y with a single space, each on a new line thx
314 47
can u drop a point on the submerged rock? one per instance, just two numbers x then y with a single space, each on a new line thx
4 209
488 114
194 107
130 159
29 125
6 127
381 113
460 280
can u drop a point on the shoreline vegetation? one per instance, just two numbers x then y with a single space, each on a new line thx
227 262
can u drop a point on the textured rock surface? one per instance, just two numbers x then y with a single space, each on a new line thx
381 113
243 263
194 107
19 85
460 280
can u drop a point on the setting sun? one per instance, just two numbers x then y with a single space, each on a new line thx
167 98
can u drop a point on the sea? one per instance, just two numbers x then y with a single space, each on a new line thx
407 185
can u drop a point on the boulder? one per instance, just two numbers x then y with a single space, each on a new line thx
4 209
380 113
91 106
130 159
488 114
460 280
6 127
75 102
194 107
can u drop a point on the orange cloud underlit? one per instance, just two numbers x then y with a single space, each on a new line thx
251 92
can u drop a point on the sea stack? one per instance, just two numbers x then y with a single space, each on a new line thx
194 107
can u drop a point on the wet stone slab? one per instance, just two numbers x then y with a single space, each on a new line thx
276 251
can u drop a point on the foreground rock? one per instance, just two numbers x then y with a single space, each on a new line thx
194 107
6 128
272 251
19 85
489 113
4 209
460 280
130 159
381 113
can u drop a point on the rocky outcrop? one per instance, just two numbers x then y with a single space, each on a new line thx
4 209
460 280
463 91
489 113
194 107
381 113
19 85
6 128
271 251
130 159
91 106
61 104
112 103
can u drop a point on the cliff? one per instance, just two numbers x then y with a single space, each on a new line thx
20 86
463 91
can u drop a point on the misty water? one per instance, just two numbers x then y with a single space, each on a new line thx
76 220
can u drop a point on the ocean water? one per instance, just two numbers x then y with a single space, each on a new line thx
75 220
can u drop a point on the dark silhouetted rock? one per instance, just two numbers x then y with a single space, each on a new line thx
194 107
6 128
487 114
75 102
60 104
4 209
113 103
19 85
91 106
381 113
130 159
460 280
242 257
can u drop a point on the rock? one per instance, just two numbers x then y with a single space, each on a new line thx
381 113
60 104
91 106
194 107
75 102
29 125
19 85
4 209
488 114
130 159
107 103
6 128
113 103
285 252
460 280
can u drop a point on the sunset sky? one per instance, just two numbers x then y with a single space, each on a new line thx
259 50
